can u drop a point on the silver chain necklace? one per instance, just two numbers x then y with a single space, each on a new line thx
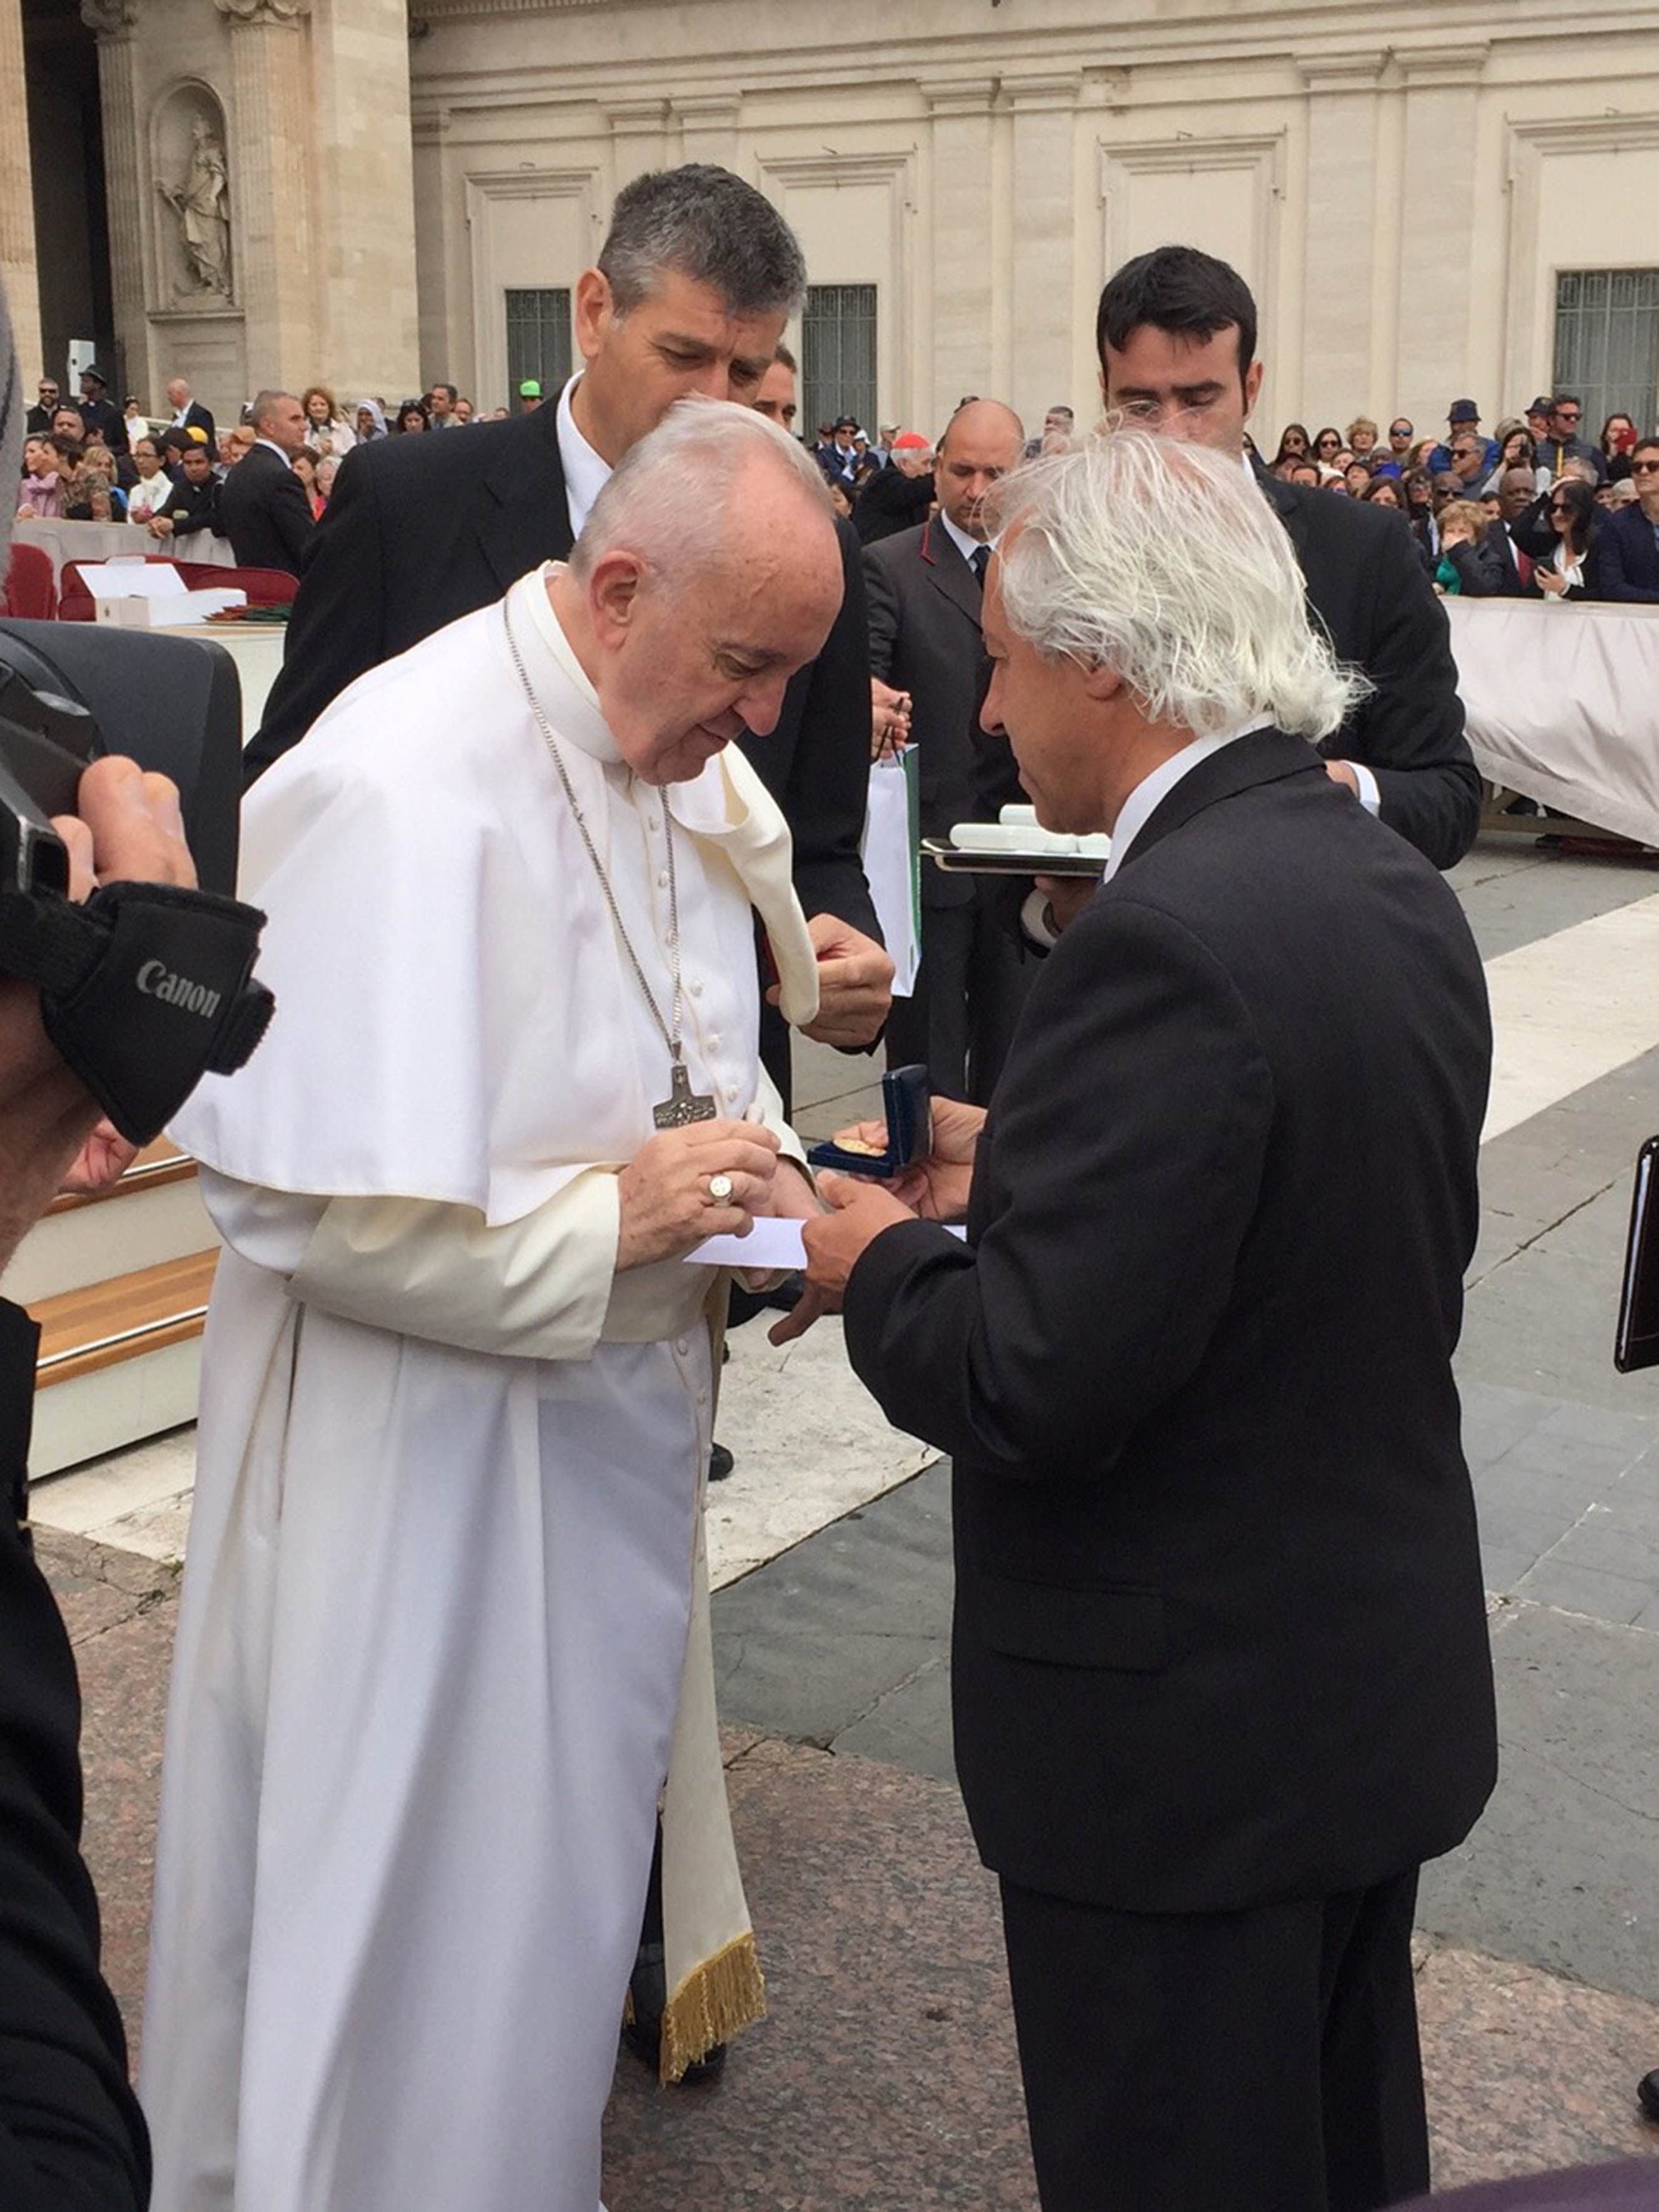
682 1104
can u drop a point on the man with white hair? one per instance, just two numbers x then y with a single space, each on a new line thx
457 1378
188 412
1220 1670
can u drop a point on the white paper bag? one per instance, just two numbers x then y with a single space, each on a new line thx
891 847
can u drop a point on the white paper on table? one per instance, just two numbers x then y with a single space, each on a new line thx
773 1242
134 579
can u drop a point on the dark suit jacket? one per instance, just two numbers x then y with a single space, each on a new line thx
1487 570
198 418
1499 565
1220 1634
71 2137
1628 557
105 420
924 605
194 506
264 513
1366 584
422 531
890 502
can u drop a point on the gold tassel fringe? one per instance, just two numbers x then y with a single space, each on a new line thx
724 1994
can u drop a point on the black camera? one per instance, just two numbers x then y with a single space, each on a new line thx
45 742
144 987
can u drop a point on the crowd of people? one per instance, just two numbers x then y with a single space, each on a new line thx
1525 512
1533 510
84 460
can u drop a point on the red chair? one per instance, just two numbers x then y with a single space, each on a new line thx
265 587
30 592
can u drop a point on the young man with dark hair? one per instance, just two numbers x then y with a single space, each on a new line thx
1176 336
1564 444
1629 540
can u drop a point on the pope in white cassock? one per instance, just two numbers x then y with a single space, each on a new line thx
436 1636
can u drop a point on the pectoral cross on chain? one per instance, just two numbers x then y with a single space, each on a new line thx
683 1105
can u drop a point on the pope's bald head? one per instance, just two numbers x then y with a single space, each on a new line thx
709 572
982 441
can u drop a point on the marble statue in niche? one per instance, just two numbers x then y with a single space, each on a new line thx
202 204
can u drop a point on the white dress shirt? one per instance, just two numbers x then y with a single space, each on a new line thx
585 471
965 545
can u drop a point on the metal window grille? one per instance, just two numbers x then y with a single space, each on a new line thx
838 355
537 340
1606 343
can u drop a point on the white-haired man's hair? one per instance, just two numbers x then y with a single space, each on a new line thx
1161 561
669 497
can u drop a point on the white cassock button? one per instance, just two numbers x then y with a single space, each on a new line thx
696 987
731 1090
681 1346
662 880
651 823
702 1397
714 1041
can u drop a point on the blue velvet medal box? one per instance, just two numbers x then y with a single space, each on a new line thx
907 1098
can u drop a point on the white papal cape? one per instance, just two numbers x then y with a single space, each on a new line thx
437 1614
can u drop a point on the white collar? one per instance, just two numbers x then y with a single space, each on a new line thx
271 446
1139 807
586 472
965 545
558 679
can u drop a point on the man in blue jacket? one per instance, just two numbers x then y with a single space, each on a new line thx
1629 541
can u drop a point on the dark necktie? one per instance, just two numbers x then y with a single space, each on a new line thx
981 561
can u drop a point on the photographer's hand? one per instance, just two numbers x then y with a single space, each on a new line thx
129 830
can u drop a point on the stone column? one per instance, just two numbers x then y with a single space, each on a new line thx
708 128
363 228
1341 241
962 271
638 128
126 186
271 162
1044 227
1436 224
18 270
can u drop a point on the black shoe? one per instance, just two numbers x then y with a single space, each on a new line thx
721 1463
1647 2096
648 1988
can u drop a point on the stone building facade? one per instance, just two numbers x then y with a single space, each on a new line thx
222 190
1430 201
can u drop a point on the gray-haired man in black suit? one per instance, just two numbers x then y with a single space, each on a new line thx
692 288
1219 1667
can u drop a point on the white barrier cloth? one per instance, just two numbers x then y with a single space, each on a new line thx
1563 705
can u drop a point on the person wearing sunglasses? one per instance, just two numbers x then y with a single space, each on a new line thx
1564 442
1628 543
1571 571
